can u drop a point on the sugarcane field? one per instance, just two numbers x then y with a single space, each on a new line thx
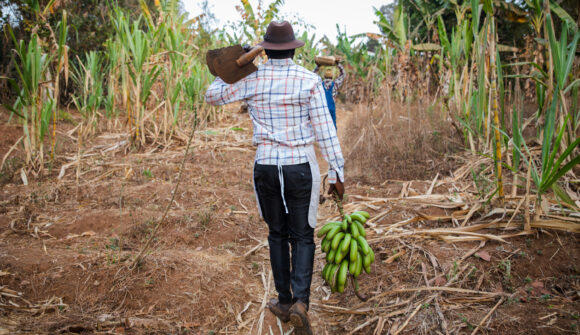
272 167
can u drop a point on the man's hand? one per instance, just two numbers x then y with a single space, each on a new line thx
337 189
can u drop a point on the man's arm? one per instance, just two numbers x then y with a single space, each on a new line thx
221 93
325 133
340 79
316 69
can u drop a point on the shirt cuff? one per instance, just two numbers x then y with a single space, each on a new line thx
333 176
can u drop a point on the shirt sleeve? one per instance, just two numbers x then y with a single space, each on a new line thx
221 93
316 69
325 134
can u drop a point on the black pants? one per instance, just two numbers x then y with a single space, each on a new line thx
291 229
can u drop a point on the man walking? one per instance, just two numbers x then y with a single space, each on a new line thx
288 108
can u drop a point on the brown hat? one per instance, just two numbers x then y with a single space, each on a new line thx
280 36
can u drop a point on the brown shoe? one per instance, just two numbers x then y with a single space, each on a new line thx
280 310
299 319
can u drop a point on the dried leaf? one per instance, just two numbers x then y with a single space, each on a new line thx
483 255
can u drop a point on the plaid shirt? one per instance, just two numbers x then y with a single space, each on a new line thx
288 108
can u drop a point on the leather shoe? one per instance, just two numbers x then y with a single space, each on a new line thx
299 319
280 310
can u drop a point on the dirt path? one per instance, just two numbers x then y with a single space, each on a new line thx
64 246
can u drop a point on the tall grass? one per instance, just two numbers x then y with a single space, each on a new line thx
88 75
34 103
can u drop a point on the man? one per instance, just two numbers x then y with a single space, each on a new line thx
288 109
331 87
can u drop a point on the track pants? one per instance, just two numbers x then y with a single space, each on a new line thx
287 219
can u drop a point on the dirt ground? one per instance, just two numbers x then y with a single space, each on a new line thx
65 246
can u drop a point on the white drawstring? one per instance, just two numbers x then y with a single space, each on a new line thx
281 177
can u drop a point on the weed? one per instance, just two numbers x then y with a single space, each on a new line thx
113 243
483 184
539 252
512 300
545 297
506 267
528 242
205 218
575 316
425 305
467 323
472 272
528 280
147 173
453 271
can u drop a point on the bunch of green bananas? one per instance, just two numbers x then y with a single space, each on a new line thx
347 250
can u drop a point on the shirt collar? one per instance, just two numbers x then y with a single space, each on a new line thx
280 62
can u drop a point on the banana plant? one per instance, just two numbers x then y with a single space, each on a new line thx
395 31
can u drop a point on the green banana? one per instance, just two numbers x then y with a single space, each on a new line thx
336 240
342 273
348 218
372 254
339 256
354 231
329 272
334 278
368 269
367 260
345 244
361 228
353 250
325 246
332 232
358 217
324 269
362 242
352 266
344 225
358 265
363 213
326 228
330 256
341 280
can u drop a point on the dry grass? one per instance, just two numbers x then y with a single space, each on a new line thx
399 141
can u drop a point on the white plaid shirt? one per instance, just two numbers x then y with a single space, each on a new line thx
288 108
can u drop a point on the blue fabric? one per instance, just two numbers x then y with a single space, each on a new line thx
330 103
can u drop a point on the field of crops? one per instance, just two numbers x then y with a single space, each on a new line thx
127 202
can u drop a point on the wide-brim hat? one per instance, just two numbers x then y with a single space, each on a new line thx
280 36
